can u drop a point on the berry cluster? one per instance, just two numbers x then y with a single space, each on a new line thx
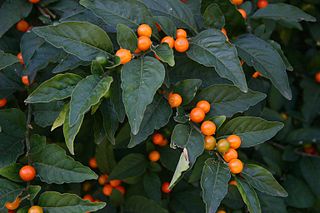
260 4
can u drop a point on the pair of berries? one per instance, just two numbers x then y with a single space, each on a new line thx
159 140
181 44
24 78
113 184
11 206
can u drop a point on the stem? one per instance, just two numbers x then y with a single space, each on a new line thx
279 146
28 131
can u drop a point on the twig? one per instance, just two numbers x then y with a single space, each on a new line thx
282 147
28 128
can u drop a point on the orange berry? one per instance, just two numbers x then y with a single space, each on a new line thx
209 143
154 156
88 197
223 146
35 209
22 26
236 166
197 115
169 40
103 179
157 138
317 77
236 2
115 183
243 13
205 105
181 45
262 4
233 182
93 163
121 189
3 102
124 55
144 43
144 30
175 100
13 205
27 173
107 190
256 74
221 211
234 141
165 188
34 1
20 58
181 33
25 80
208 128
230 155
137 51
164 142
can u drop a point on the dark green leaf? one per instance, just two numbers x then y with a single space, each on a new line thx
34 191
166 25
214 183
96 68
116 96
187 89
110 121
45 114
152 186
210 49
252 130
165 53
270 204
139 204
310 169
11 172
126 38
9 191
304 136
105 157
214 17
228 100
54 202
140 80
7 59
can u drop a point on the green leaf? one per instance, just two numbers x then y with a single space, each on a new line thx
228 100
126 38
155 117
281 53
187 89
270 204
34 191
61 117
131 165
178 12
152 186
7 59
262 180
86 94
214 183
8 191
282 11
303 136
73 38
165 53
96 68
249 196
105 157
130 13
299 194
110 121
46 113
116 95
56 88
264 58
54 202
192 143
210 49
11 172
138 204
311 100
310 170
141 78
166 25
252 130
12 134
11 12
54 166
214 17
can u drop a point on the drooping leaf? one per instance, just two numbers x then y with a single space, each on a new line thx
9 191
54 166
116 95
262 180
12 134
165 53
110 121
57 88
87 93
210 49
265 59
156 116
249 196
126 38
214 183
73 38
54 202
228 99
131 165
7 59
187 89
140 80
213 17
252 130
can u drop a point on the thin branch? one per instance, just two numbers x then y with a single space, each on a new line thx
27 135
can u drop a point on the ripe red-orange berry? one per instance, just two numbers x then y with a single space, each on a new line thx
124 55
22 26
230 155
3 102
234 141
154 156
20 58
205 105
243 13
27 173
236 166
197 115
35 209
144 30
165 188
208 128
93 163
262 4
181 33
181 45
88 197
317 77
169 40
25 80
157 138
34 1
103 179
174 100
13 205
115 183
144 43
121 189
107 190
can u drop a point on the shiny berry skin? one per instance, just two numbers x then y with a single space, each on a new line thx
181 33
35 209
20 58
107 190
88 197
13 205
22 26
121 189
144 30
205 105
262 4
25 80
181 45
234 141
102 180
144 43
157 138
27 173
230 155
34 1
165 188
124 55
169 40
209 143
197 115
223 146
154 156
235 166
208 128
174 100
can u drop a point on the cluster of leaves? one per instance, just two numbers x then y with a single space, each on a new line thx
110 110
